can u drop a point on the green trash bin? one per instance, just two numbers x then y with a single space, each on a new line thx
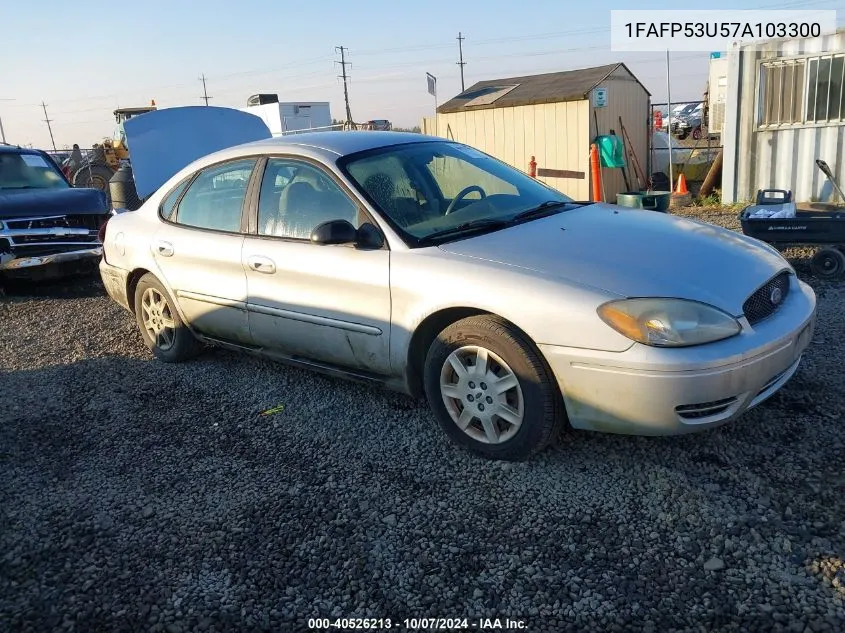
650 200
611 150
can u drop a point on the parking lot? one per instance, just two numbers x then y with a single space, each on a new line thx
143 496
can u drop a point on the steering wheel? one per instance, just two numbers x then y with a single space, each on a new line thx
463 193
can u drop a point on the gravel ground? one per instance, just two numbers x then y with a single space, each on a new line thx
143 496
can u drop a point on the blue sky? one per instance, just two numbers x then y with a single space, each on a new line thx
86 57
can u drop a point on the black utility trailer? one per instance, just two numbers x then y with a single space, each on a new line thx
819 224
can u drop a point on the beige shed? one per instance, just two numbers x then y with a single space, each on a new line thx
553 117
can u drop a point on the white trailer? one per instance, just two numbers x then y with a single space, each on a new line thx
293 116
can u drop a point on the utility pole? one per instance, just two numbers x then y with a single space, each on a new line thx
461 63
204 91
2 131
669 117
343 64
47 121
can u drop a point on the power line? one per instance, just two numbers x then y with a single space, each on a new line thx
343 64
47 121
204 91
418 48
461 61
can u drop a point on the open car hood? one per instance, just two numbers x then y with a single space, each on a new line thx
163 142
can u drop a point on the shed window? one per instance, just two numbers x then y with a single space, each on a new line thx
782 92
824 89
802 91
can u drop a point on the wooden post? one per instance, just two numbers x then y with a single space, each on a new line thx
712 176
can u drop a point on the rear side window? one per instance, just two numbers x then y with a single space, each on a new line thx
215 198
169 204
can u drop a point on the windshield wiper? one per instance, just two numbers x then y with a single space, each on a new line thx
466 227
545 208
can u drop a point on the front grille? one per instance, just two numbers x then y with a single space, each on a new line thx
21 240
704 409
90 221
760 305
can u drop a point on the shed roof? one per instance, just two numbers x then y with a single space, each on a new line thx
569 85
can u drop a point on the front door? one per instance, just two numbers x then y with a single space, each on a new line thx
198 249
329 303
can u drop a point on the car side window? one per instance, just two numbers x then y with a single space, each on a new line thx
215 198
295 198
168 205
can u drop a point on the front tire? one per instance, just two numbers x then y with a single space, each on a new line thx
161 328
95 176
490 389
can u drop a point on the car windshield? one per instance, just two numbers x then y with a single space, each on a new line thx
28 171
434 187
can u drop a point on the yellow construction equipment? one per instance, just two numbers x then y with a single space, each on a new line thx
97 168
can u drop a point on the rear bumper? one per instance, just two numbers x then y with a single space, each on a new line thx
8 261
116 282
653 391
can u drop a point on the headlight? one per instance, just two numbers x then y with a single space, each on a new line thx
668 322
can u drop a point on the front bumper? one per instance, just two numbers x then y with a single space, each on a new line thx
660 391
10 261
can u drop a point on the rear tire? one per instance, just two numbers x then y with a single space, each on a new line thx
158 320
696 133
490 389
828 263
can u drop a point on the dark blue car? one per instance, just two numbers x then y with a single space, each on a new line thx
46 225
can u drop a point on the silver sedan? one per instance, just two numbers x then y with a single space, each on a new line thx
437 270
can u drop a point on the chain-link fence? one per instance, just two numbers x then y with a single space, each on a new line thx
682 132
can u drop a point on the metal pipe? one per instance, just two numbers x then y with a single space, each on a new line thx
669 114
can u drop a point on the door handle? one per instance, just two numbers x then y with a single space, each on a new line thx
165 249
261 264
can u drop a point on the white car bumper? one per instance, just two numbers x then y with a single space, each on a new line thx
660 391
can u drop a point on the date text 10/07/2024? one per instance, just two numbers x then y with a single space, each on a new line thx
416 624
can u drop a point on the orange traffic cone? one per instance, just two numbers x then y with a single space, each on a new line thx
682 185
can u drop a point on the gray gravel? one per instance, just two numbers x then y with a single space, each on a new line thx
144 496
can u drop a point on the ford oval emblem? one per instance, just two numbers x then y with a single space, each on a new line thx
776 296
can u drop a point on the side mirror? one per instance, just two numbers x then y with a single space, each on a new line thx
334 232
342 232
370 237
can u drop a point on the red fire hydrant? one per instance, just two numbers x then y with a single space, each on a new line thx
532 168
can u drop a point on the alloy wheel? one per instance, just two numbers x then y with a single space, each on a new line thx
158 319
482 394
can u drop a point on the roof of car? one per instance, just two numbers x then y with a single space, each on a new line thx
14 149
342 143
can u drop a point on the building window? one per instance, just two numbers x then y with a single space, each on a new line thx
782 92
796 91
824 89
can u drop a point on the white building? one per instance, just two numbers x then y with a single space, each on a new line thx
292 116
785 107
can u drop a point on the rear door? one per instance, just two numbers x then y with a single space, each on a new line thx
328 303
198 248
